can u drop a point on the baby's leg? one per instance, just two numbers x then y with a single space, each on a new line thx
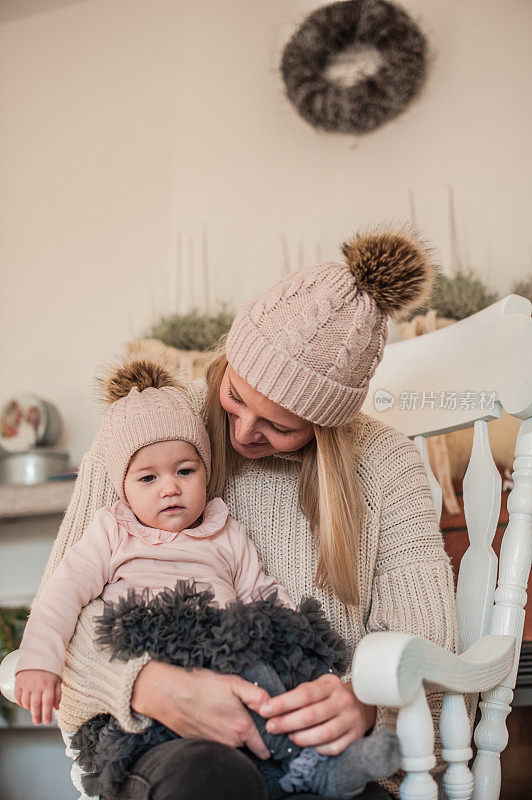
267 678
343 776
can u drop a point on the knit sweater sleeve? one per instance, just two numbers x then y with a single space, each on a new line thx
91 684
413 588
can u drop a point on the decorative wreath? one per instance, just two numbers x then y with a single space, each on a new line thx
373 99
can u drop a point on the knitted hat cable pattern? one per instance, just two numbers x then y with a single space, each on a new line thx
312 342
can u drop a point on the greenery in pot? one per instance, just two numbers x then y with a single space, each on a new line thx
12 623
193 330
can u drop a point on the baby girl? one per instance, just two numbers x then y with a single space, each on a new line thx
162 533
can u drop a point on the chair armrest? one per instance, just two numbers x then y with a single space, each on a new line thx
389 668
7 675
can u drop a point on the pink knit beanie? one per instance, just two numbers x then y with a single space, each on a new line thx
312 343
147 407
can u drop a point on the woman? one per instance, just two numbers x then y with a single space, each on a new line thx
338 505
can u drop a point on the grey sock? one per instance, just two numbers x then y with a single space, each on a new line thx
367 759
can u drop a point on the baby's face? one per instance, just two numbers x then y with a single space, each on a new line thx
165 485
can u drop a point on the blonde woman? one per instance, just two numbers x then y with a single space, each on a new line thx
337 504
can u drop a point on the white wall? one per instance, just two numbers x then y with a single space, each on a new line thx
126 125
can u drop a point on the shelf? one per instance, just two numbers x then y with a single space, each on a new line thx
37 500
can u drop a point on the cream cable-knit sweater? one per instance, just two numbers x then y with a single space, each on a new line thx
405 578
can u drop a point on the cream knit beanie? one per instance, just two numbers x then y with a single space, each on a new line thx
312 343
146 407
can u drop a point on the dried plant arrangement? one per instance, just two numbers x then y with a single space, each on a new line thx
458 295
461 294
192 330
523 287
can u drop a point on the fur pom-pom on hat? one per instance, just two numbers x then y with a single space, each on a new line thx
140 373
396 268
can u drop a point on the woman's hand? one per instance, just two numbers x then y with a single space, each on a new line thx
201 704
325 714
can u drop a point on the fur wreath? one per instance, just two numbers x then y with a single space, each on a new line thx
372 100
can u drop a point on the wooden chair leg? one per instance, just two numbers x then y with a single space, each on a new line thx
508 615
455 731
415 730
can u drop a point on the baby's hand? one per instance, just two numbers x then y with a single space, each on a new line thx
40 691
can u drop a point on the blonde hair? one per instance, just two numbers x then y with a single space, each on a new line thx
330 494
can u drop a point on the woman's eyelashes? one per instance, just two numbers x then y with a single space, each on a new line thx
277 430
271 425
233 398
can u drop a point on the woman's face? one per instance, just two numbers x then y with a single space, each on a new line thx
258 426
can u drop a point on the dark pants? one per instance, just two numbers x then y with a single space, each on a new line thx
197 769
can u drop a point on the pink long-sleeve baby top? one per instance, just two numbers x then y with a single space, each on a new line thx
117 553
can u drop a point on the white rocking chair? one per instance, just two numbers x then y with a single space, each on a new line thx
488 352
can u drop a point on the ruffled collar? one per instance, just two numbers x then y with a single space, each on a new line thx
215 516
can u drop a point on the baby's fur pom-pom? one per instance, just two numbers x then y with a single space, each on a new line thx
138 371
395 267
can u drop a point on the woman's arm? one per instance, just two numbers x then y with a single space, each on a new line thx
413 588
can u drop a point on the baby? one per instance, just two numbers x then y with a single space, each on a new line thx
162 534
